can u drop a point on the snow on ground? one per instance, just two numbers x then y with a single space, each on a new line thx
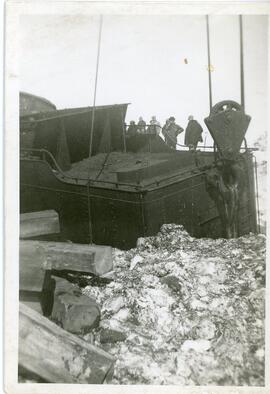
262 187
261 158
192 310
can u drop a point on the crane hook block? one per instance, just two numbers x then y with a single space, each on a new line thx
228 123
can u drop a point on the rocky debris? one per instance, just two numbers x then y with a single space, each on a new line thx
113 305
202 326
136 259
111 336
172 282
91 167
72 310
198 345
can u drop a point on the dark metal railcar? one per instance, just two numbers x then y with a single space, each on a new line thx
130 187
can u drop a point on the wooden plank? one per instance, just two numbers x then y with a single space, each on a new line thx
57 356
42 301
33 224
68 256
32 270
103 259
35 283
92 259
34 304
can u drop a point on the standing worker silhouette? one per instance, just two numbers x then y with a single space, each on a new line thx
170 131
154 127
193 133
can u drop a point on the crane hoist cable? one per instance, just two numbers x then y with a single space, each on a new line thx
92 130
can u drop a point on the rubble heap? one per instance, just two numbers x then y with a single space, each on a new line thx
185 311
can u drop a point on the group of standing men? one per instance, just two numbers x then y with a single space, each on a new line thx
170 131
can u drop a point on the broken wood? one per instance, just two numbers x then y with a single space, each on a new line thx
57 356
43 301
92 259
36 287
32 300
33 224
32 269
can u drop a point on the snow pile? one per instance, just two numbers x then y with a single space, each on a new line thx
262 189
192 310
261 158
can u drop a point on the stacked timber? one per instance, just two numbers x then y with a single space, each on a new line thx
36 286
34 224
64 256
38 259
47 352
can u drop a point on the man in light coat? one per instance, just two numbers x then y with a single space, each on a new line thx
154 127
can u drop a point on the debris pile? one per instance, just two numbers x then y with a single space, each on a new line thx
174 310
104 166
185 311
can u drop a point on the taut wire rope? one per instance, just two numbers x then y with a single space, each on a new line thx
92 131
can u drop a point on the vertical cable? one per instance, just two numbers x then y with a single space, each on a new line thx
91 133
242 81
209 63
95 89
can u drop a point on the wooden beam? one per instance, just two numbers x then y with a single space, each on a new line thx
32 300
32 270
35 283
33 224
92 259
57 356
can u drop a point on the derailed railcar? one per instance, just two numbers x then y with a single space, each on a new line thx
129 187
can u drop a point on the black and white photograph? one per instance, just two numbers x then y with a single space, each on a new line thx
142 196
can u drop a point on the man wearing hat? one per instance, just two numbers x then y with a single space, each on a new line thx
170 131
154 127
193 133
132 129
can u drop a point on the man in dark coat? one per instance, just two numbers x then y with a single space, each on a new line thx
170 131
193 133
132 129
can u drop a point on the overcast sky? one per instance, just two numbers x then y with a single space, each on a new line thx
142 62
